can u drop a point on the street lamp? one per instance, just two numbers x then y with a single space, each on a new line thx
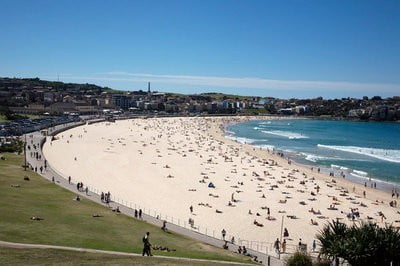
280 240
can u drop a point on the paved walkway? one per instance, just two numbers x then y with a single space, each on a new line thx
39 246
49 173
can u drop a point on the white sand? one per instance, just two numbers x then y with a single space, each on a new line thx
129 159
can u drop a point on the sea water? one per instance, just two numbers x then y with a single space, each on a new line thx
362 150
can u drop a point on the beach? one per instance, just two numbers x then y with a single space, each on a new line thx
166 165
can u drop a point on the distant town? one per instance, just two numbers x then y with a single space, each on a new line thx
32 96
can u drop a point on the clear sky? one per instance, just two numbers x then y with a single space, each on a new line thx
329 48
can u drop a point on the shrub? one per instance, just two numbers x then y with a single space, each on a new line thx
299 259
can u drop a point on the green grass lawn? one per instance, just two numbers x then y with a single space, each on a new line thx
4 119
13 256
70 223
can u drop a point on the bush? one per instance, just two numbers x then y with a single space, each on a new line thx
299 259
322 262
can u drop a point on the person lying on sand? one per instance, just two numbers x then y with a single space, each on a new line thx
257 223
230 204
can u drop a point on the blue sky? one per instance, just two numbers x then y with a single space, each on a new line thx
285 49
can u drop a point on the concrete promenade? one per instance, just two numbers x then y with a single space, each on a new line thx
94 195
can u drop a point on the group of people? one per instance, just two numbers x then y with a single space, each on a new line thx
278 245
105 197
138 214
281 247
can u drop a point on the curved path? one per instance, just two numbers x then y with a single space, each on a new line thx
40 246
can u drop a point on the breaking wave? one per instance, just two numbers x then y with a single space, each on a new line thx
315 158
286 134
335 166
381 154
241 139
362 173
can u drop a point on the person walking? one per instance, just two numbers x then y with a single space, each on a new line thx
146 245
284 246
314 245
276 245
223 232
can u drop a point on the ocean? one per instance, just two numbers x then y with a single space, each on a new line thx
363 151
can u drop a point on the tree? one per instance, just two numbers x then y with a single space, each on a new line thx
363 244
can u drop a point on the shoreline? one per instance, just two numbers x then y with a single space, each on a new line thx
385 186
347 182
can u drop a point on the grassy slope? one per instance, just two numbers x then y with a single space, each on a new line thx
70 223
61 257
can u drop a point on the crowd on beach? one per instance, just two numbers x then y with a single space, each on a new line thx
233 185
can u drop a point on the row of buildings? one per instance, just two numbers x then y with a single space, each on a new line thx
35 96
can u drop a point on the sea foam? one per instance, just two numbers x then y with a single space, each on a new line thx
359 172
381 154
241 139
286 134
265 147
